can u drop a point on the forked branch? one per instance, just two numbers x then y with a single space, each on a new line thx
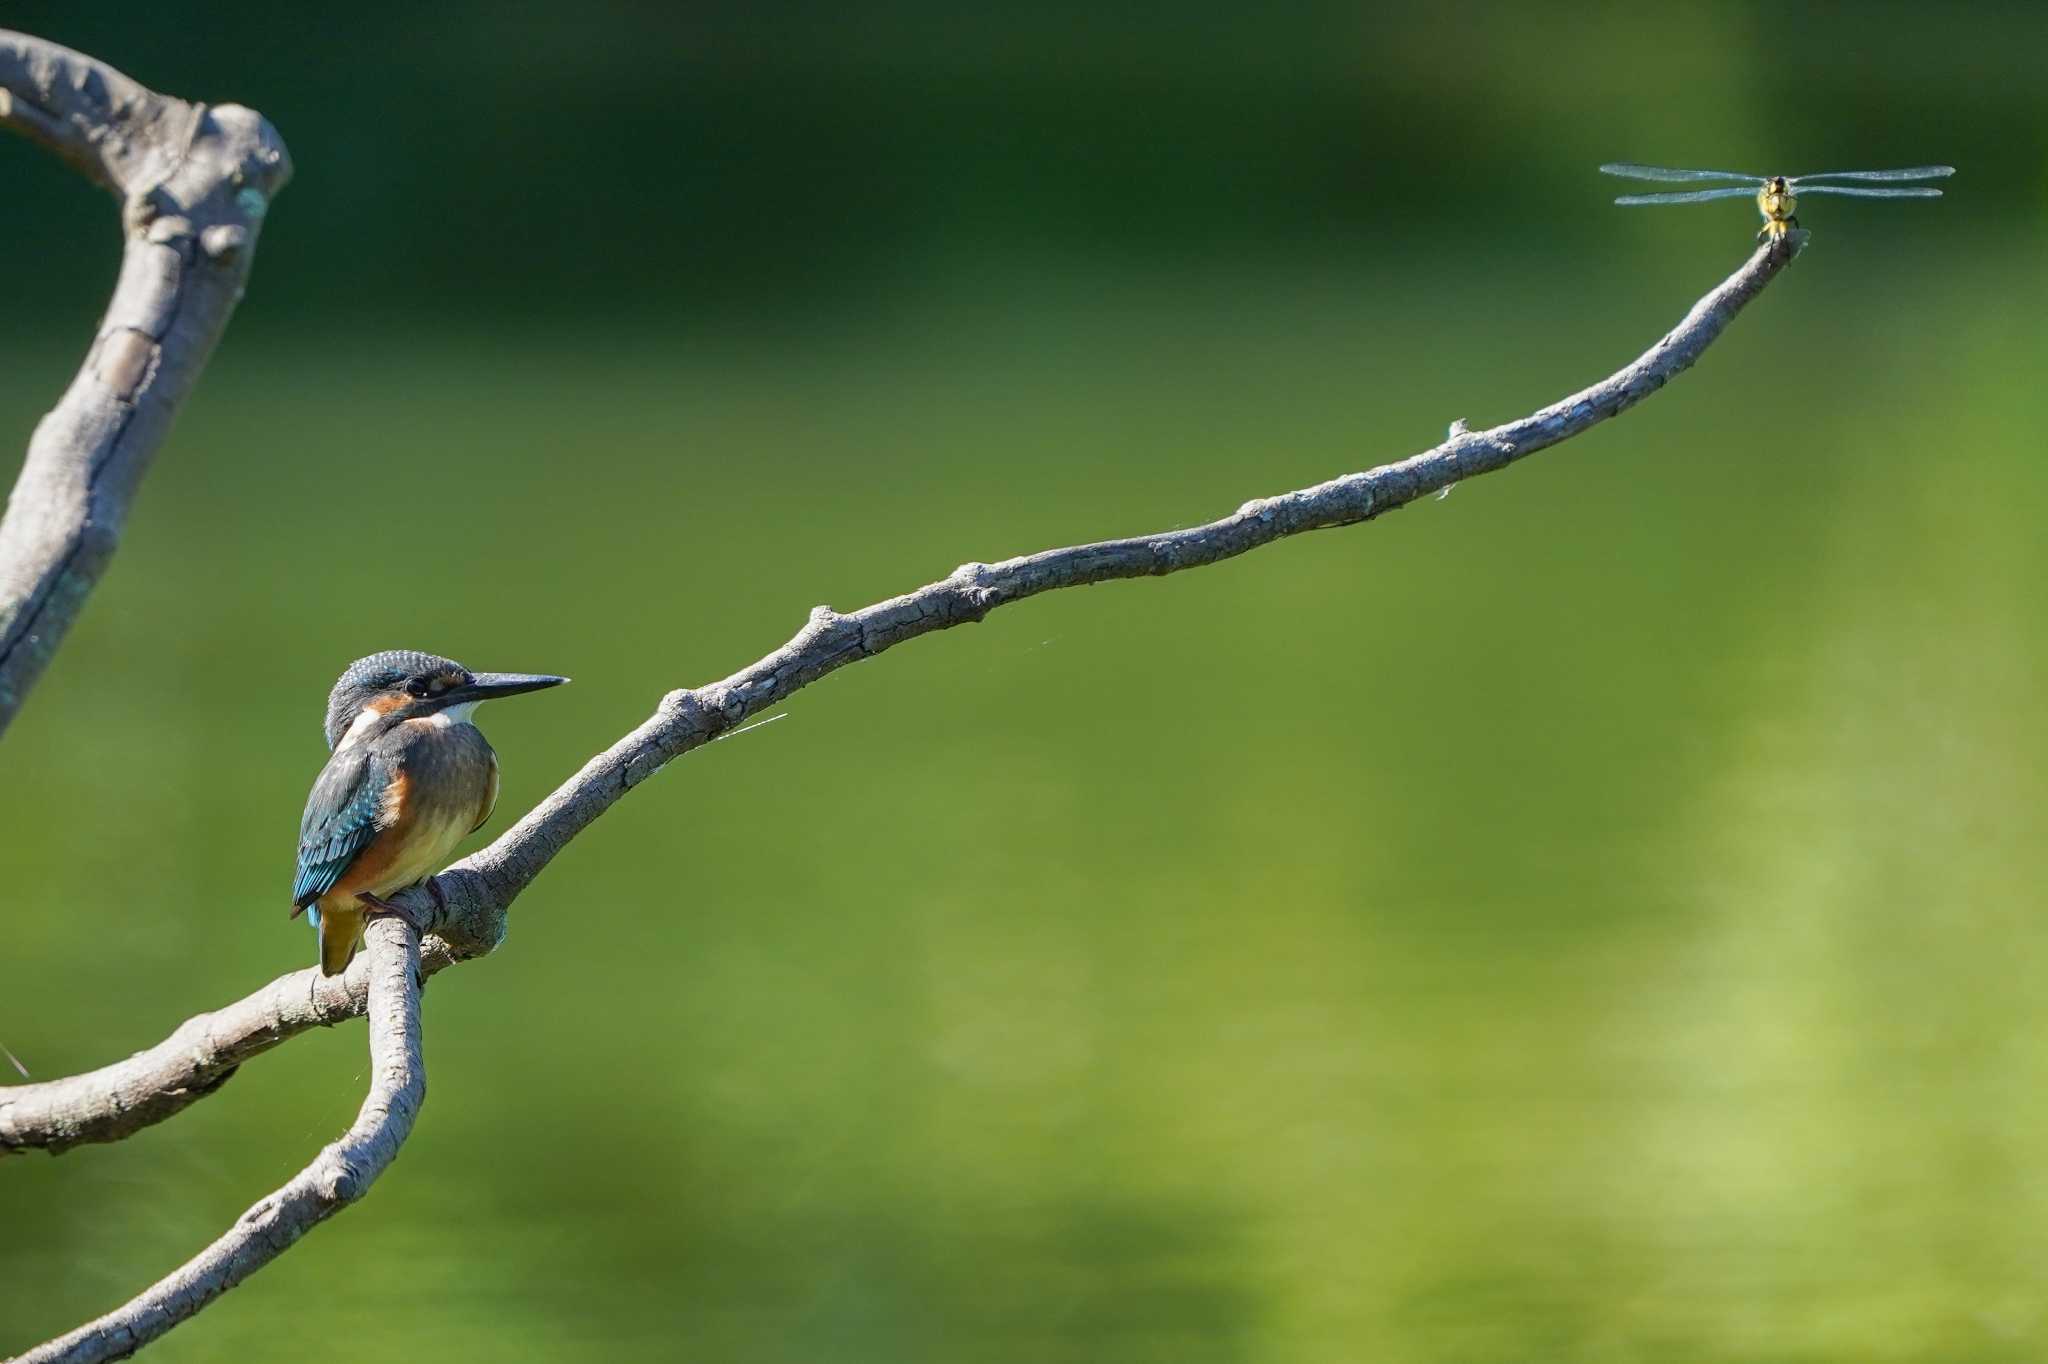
467 915
338 1176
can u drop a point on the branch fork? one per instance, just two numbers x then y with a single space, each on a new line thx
196 182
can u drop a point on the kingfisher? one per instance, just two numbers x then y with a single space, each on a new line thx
410 777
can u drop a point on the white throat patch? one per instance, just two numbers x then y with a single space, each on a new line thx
364 719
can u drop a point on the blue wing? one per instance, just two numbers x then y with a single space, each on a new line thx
1629 170
343 814
1689 196
1917 192
1909 173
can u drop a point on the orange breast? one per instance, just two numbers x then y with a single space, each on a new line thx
444 786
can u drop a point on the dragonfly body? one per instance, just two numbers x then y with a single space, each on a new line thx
1776 202
1777 196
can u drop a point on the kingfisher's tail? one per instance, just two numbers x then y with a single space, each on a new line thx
340 932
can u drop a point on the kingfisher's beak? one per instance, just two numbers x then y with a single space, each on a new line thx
490 686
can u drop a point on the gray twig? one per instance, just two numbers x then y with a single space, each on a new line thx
467 915
338 1176
194 182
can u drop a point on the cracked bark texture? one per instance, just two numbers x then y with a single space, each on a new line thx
194 182
467 911
338 1176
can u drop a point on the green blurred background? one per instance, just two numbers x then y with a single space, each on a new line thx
1595 917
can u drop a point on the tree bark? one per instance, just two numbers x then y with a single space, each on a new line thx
194 183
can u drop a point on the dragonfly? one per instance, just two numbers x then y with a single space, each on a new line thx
1776 195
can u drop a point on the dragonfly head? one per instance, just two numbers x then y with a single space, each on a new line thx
1776 199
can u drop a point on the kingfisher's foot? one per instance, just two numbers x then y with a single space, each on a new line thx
384 906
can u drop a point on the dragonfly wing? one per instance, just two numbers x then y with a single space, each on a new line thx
1631 171
1910 173
1691 196
1918 192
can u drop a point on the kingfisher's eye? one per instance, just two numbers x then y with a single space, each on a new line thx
418 686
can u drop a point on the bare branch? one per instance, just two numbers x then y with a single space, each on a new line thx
477 890
119 1100
468 904
194 182
338 1176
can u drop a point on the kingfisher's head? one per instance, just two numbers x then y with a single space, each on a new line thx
400 684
